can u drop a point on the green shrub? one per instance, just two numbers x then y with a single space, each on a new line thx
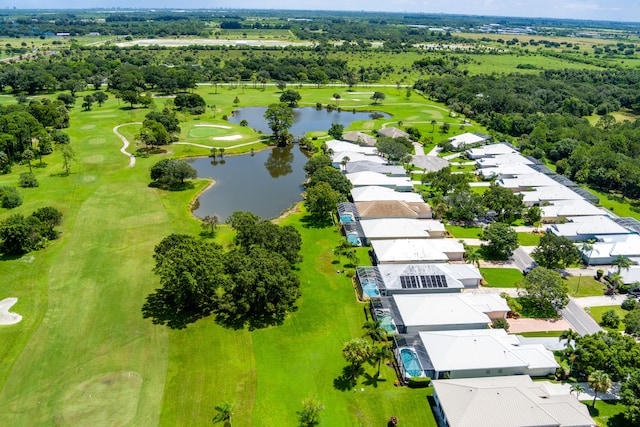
28 180
599 274
500 324
631 303
10 197
419 382
610 319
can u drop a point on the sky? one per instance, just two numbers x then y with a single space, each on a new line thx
608 10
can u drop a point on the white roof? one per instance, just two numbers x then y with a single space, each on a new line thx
511 169
507 402
337 145
373 192
461 271
550 193
400 228
587 225
391 273
502 160
441 310
612 246
629 275
483 349
355 156
466 139
491 150
566 208
415 250
374 166
532 180
359 179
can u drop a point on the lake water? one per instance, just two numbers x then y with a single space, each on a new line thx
306 119
265 183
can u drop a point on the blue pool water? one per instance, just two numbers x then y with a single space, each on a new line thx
353 239
346 218
386 321
370 289
411 363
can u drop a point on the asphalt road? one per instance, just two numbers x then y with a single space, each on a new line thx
522 259
579 320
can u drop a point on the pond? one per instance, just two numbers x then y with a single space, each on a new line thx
265 183
306 119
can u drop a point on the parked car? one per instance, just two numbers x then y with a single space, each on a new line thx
635 292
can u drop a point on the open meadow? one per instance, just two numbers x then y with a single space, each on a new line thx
83 354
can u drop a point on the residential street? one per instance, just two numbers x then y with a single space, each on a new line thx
579 320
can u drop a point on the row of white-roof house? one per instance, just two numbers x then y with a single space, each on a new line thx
440 331
569 209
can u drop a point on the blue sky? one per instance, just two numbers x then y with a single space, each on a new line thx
613 10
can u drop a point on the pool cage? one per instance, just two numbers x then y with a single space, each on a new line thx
369 282
353 232
347 212
411 357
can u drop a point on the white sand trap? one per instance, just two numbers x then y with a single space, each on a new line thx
228 138
7 318
212 126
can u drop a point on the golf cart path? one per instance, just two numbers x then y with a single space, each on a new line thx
132 158
125 142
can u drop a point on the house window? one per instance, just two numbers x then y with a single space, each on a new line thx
487 372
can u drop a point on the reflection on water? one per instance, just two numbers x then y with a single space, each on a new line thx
265 183
306 119
280 161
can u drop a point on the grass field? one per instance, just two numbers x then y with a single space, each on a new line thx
83 355
607 413
501 277
461 232
584 286
597 312
528 239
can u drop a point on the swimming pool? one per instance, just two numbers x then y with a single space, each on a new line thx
346 217
353 239
411 363
386 320
370 289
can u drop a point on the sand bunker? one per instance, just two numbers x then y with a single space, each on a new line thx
7 318
228 138
212 126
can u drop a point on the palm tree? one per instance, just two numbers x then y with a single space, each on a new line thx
374 330
214 152
623 263
433 125
472 257
615 279
569 335
225 412
577 388
356 352
379 354
221 150
599 382
344 162
587 248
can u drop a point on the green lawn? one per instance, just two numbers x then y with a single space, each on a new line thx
617 204
607 413
501 277
585 286
461 232
528 239
597 312
83 355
